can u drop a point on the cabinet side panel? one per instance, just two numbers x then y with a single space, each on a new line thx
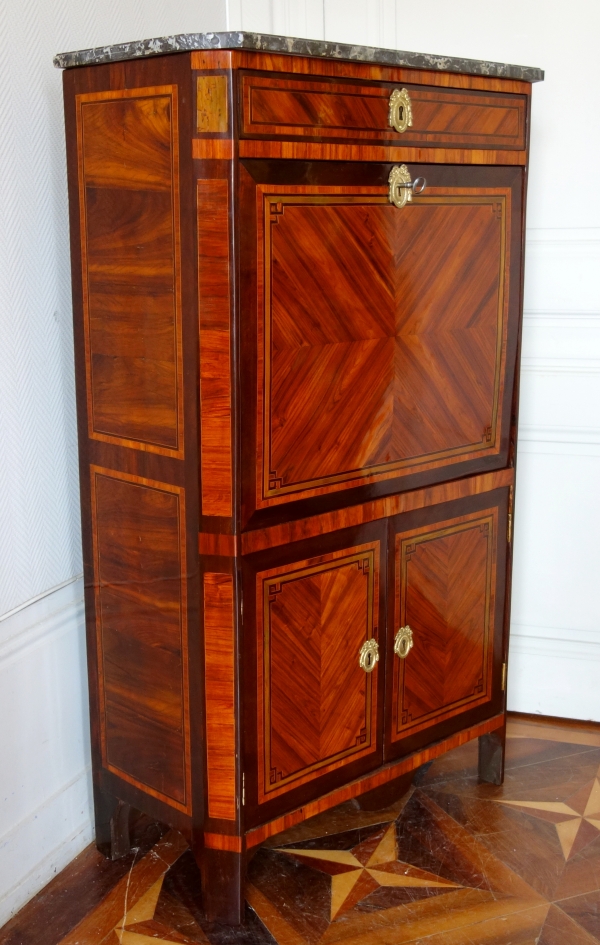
219 646
129 197
215 363
140 587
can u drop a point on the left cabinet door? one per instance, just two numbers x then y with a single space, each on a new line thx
313 707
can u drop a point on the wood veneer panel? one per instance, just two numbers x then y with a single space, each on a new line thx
414 373
445 590
321 151
306 65
298 529
362 785
141 624
215 354
219 650
128 166
285 107
316 706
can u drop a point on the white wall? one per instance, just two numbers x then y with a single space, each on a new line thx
555 639
44 775
45 803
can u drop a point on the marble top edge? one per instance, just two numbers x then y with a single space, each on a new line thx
186 42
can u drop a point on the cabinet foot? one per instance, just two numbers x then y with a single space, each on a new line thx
113 837
223 874
491 756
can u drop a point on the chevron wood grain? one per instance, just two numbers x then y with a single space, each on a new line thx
388 325
316 705
445 592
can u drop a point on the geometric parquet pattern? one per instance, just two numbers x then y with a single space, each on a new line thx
453 862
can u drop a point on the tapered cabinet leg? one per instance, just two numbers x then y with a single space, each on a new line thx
223 874
112 825
491 756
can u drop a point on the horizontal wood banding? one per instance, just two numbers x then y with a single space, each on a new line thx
141 624
223 841
212 544
335 68
219 650
314 151
371 511
212 149
127 143
215 354
280 106
383 776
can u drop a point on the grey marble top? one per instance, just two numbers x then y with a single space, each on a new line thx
185 42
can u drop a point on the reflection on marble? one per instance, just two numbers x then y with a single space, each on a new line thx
184 42
452 862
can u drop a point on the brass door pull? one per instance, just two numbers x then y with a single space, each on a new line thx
369 655
400 114
402 187
403 642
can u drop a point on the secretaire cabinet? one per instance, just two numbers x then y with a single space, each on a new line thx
297 287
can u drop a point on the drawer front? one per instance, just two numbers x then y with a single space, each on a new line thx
385 338
313 711
291 108
446 618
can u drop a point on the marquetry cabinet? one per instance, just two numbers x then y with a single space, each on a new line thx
297 281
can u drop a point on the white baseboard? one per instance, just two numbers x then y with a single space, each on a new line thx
45 778
554 671
39 847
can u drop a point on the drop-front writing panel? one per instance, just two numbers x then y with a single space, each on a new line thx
381 334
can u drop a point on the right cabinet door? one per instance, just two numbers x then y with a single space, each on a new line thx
448 599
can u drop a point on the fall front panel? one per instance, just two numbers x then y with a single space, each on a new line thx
382 335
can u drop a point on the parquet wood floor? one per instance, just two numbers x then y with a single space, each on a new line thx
452 862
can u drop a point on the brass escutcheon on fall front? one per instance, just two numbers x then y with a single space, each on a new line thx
369 655
400 114
403 642
402 187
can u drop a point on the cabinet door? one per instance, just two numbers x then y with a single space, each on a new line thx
449 567
313 715
379 343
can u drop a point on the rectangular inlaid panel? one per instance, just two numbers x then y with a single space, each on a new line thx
290 107
211 104
138 530
382 337
219 653
129 207
215 357
445 592
317 707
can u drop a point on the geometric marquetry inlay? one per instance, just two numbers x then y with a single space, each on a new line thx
317 707
383 334
445 592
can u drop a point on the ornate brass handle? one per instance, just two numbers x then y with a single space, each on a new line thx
400 114
403 642
402 187
369 655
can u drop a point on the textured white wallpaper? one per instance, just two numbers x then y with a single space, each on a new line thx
39 511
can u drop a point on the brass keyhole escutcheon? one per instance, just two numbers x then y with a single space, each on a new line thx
400 113
403 642
369 655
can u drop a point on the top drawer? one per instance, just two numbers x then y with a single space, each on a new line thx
333 110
